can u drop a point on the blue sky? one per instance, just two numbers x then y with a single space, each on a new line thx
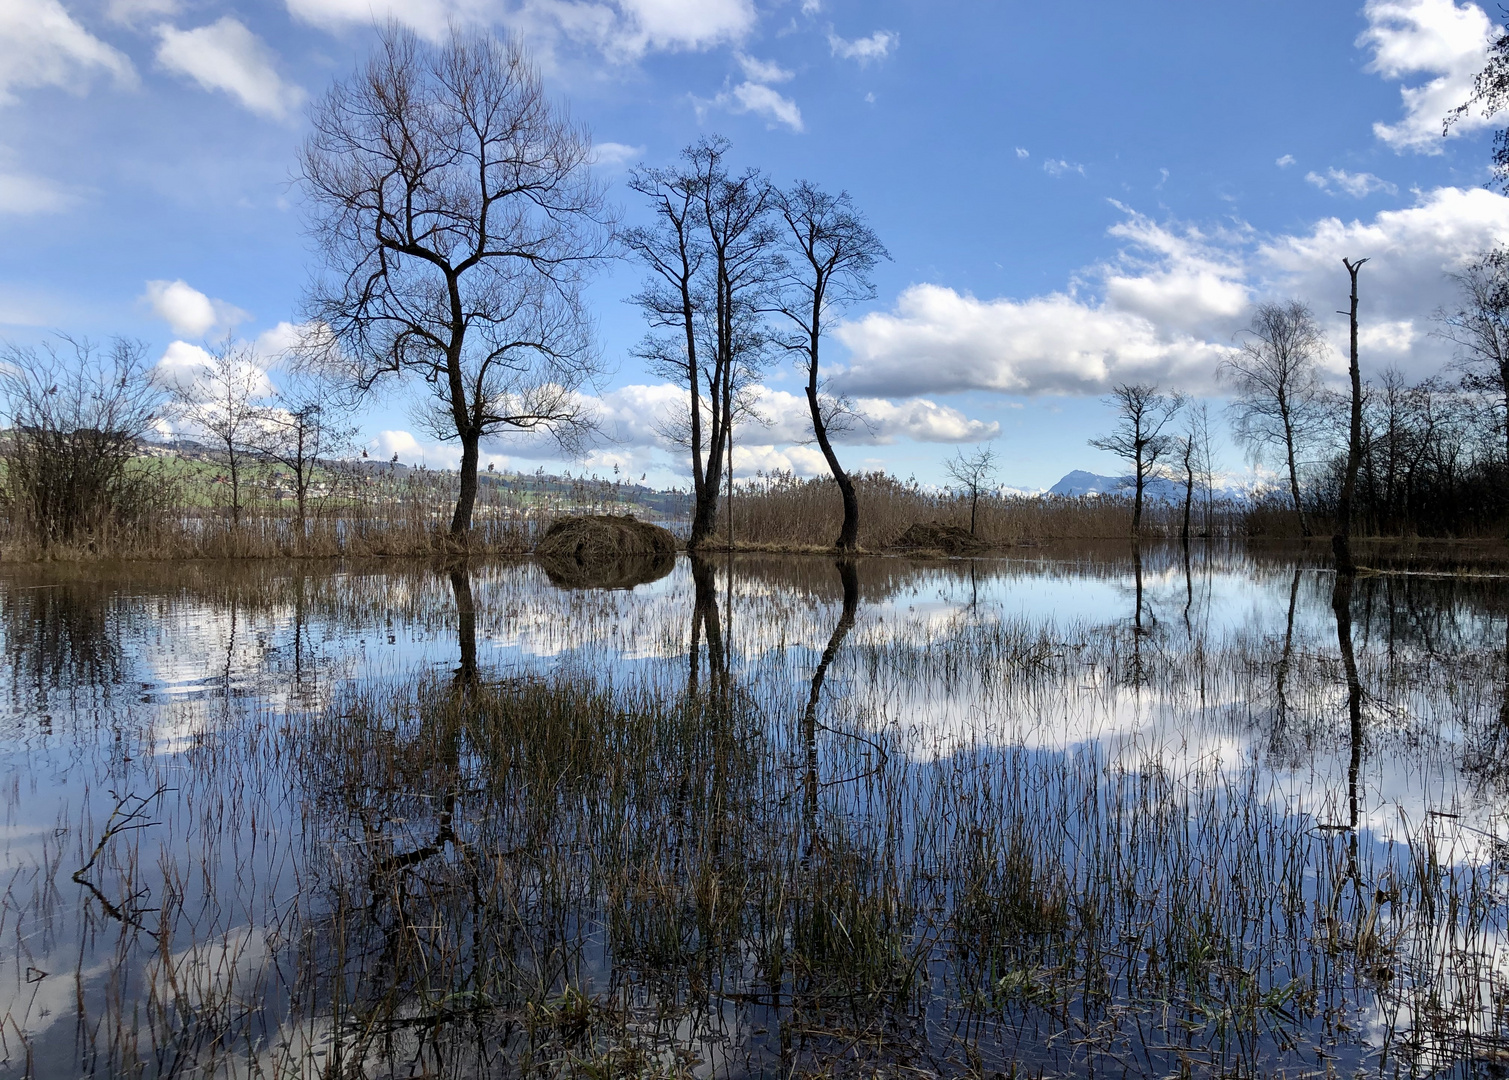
1073 194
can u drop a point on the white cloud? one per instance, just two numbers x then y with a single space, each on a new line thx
187 311
273 345
225 55
749 97
1440 39
875 47
1166 307
1060 167
937 340
1285 161
611 155
410 451
1022 153
762 71
186 366
1341 182
686 24
1410 252
42 45
917 419
23 194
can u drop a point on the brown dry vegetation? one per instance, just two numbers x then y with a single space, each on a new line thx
786 513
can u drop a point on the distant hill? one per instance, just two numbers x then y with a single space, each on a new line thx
1158 489
1079 483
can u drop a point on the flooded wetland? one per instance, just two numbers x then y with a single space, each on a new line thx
1080 811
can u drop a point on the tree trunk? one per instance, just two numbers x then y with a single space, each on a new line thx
974 505
848 535
1137 501
466 623
301 501
466 498
1189 498
1341 541
1299 508
848 573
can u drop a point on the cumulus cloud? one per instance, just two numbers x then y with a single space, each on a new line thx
1410 253
1166 306
1285 161
937 340
21 193
42 45
1443 41
187 368
1162 300
1022 152
226 56
875 47
187 311
1341 182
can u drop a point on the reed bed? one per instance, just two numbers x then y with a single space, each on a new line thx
783 512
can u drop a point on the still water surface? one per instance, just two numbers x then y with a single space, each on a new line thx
1078 811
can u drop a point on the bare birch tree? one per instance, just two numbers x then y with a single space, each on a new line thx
830 254
224 401
459 220
1276 378
1143 413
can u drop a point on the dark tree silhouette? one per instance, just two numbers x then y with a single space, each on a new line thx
830 254
1341 540
973 473
710 256
459 221
1143 412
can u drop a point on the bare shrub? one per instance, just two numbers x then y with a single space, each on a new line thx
77 416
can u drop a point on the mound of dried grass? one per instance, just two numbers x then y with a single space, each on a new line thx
600 538
939 536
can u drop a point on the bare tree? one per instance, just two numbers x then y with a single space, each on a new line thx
307 425
224 402
459 220
1143 413
973 473
1480 330
709 254
1197 431
1276 377
1341 539
77 415
1490 94
831 252
1188 455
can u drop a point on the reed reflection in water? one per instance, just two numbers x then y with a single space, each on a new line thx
1142 811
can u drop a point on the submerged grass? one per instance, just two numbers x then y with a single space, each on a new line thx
672 868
